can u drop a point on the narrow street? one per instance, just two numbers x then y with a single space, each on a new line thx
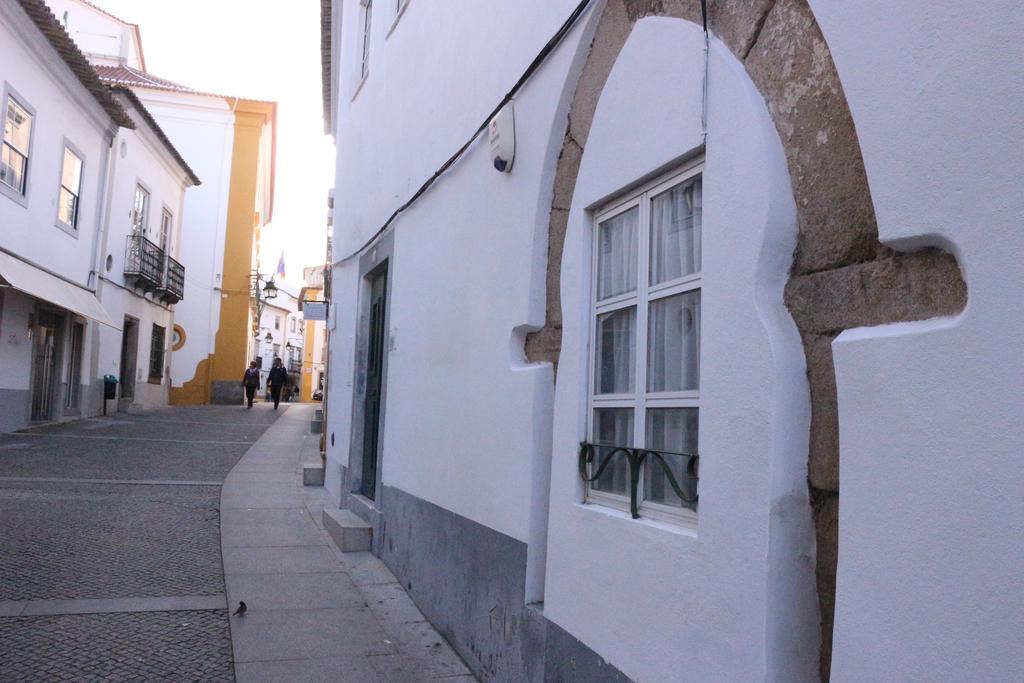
111 558
127 538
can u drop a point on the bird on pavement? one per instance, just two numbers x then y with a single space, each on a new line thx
241 609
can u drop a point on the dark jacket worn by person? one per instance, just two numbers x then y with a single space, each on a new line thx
251 378
277 377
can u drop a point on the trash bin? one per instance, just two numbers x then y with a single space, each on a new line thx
109 387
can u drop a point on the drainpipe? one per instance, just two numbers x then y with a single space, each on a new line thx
99 247
99 244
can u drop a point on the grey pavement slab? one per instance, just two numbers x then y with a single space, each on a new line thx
297 532
313 613
307 633
294 591
277 560
314 670
111 605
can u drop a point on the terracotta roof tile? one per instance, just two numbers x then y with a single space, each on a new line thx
326 61
126 76
58 38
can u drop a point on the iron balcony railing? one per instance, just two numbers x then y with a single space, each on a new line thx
143 263
602 454
294 365
173 289
149 268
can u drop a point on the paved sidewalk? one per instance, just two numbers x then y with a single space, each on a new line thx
314 613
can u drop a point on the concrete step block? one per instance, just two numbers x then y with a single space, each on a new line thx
312 475
316 426
348 531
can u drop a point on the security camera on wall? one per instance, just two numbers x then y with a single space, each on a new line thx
501 134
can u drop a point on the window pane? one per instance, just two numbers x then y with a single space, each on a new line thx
675 430
141 210
12 168
17 127
616 352
67 208
614 427
71 174
617 254
675 232
673 343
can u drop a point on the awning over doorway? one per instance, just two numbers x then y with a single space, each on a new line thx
38 283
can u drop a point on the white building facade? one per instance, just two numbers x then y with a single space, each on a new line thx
597 403
229 142
60 123
143 278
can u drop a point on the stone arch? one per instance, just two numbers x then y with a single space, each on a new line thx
841 277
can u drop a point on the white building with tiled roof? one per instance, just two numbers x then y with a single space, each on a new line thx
229 142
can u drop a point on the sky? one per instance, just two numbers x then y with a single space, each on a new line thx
261 49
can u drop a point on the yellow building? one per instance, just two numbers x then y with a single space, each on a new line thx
314 347
230 143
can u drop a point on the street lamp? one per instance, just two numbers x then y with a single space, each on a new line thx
270 289
269 338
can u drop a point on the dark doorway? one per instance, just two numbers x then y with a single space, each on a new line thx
374 382
129 358
46 348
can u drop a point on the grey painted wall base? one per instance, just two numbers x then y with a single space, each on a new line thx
469 581
226 393
15 409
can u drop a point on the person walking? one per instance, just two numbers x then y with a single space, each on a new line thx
277 378
251 382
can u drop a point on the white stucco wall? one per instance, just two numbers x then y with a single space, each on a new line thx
931 515
64 112
202 129
466 419
139 159
98 34
422 64
732 599
31 70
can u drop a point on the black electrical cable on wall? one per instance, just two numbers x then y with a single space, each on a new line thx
534 65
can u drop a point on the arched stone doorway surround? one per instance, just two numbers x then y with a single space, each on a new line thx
842 277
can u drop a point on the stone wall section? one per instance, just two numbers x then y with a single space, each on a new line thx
842 276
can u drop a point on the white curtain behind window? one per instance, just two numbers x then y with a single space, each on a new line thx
675 232
617 254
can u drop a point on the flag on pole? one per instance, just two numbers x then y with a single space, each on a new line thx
280 265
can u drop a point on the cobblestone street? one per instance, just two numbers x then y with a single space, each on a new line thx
110 545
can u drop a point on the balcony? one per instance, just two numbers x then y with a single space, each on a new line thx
148 268
294 365
173 289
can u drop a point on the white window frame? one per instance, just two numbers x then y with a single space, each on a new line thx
166 233
365 41
9 95
640 298
71 228
140 224
398 8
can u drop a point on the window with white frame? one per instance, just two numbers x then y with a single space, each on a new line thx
645 355
14 153
70 189
140 210
364 67
166 225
